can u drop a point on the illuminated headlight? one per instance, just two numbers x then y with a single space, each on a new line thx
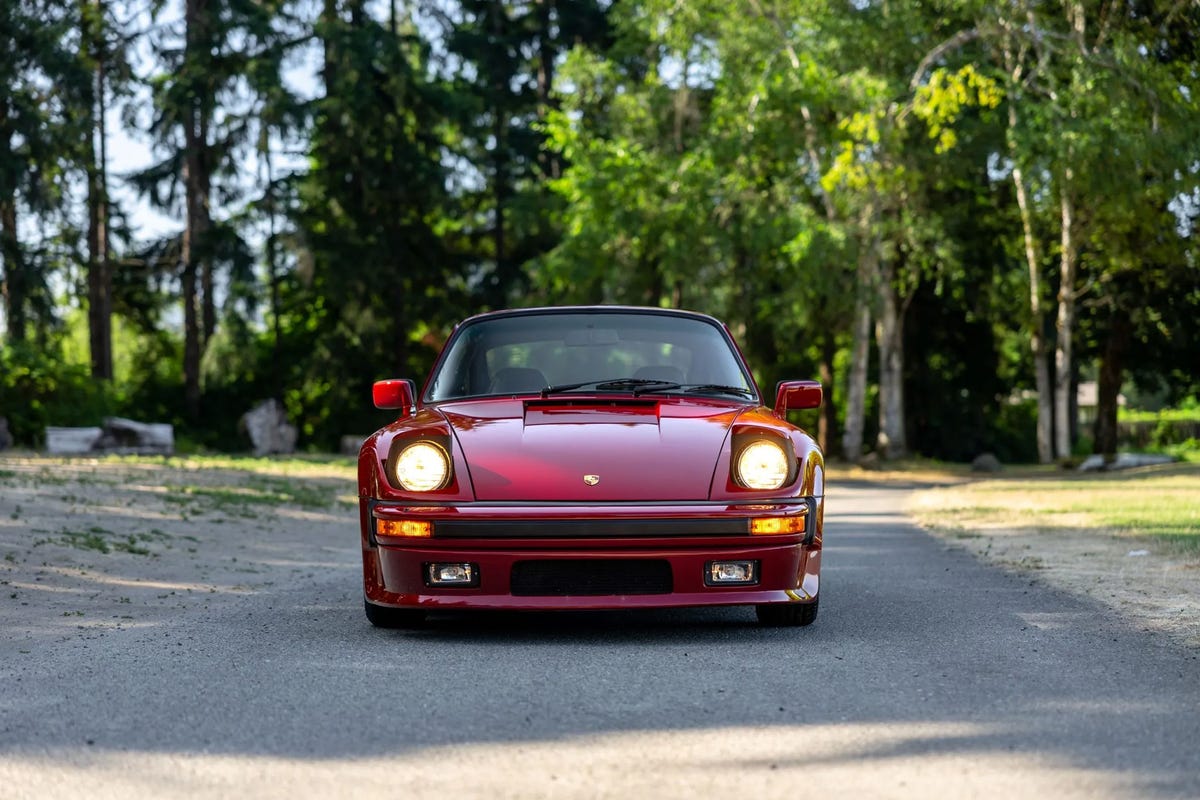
422 467
761 465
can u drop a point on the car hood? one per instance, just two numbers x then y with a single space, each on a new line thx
591 451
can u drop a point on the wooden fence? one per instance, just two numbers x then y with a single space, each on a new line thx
1140 435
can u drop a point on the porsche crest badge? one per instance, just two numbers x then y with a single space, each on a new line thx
591 480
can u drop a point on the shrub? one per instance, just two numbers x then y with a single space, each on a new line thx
36 391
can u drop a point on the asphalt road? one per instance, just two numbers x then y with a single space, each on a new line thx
926 675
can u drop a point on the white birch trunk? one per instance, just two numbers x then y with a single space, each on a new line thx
889 337
1015 66
856 392
1065 325
1037 343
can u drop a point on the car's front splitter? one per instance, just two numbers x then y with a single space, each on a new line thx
398 576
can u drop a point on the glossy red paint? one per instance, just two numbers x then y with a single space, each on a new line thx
797 395
540 449
610 476
393 394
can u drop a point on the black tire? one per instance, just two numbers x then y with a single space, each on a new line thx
782 615
384 617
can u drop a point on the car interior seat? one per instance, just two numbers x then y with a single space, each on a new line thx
517 379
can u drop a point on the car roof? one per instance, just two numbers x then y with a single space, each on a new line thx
597 309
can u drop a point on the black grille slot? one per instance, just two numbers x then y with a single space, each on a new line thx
567 577
584 528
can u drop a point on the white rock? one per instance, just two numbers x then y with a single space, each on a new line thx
125 436
117 436
1123 461
71 441
269 429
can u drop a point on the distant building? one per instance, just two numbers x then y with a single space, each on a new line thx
1087 397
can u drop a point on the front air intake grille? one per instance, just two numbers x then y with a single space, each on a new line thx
566 577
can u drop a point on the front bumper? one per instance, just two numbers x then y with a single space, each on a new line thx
502 541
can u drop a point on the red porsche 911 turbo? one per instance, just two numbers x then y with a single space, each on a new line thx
590 458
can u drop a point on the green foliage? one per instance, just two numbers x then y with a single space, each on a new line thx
1187 450
36 391
942 101
1188 410
738 161
376 270
506 55
39 137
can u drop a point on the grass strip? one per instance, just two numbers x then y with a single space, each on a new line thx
1160 503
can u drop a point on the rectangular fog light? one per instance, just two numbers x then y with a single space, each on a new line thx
726 573
452 574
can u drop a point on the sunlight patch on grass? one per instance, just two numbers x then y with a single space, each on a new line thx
307 466
1157 503
263 492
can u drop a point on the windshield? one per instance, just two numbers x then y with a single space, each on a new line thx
528 353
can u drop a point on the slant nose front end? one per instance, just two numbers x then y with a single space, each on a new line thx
555 557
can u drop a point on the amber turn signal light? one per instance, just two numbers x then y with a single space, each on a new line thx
773 526
403 527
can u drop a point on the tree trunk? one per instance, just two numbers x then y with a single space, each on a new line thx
548 159
889 338
196 260
1112 368
856 392
1037 341
191 336
99 267
500 163
827 422
1065 325
199 182
272 264
14 272
1015 67
13 285
207 292
329 18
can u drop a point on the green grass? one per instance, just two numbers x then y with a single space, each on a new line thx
234 482
283 466
102 540
260 491
92 539
1161 503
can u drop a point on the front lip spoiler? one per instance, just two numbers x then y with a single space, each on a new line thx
530 520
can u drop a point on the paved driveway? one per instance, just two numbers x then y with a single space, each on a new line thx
927 675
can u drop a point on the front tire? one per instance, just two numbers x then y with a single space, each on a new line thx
384 617
785 615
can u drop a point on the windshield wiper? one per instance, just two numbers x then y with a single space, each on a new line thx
716 388
638 385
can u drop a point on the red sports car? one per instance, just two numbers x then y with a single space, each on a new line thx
590 458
